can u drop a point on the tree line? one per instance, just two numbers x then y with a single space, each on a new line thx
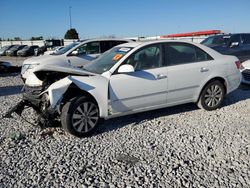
70 34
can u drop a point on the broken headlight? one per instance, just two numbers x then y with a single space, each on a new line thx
26 67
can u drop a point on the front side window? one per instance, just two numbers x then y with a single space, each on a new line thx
93 48
146 58
178 53
88 48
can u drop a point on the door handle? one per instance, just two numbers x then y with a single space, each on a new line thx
203 69
161 76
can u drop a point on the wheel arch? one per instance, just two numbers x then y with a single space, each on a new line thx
74 91
218 78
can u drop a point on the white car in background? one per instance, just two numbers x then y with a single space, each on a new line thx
53 50
131 78
245 71
76 54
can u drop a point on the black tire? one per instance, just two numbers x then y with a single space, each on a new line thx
211 96
79 120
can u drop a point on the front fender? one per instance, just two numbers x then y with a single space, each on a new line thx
96 86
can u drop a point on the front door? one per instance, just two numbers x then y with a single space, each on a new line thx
144 88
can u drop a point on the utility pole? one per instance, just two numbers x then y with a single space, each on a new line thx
70 23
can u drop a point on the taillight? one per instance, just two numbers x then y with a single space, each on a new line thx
238 64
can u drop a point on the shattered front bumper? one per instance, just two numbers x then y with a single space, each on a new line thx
32 95
32 98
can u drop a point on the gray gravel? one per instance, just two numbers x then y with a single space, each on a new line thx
181 146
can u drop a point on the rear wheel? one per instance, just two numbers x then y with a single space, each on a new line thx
212 96
80 116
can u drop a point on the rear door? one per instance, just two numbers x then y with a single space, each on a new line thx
188 67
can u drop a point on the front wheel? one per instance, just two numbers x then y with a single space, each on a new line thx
212 96
80 116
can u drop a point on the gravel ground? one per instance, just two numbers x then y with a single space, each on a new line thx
181 146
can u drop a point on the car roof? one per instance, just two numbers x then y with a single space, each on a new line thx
106 39
139 43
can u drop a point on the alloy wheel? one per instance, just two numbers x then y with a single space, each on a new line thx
85 117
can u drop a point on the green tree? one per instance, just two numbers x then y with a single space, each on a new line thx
71 34
17 38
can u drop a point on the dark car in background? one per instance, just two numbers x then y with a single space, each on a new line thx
4 49
40 50
27 51
237 44
48 44
13 51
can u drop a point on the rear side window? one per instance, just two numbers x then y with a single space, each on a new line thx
246 38
106 45
181 53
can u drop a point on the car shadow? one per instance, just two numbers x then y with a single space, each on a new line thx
10 70
10 90
136 119
242 93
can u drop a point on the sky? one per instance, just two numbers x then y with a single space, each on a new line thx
120 18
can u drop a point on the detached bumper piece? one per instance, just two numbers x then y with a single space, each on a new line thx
31 98
18 109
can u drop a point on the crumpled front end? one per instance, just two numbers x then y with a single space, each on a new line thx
44 98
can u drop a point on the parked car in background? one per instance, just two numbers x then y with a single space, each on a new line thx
27 51
231 44
131 78
13 51
4 49
40 50
76 54
53 50
245 70
48 44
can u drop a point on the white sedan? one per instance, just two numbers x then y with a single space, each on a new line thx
131 78
245 70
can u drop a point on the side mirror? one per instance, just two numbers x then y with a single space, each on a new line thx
126 69
74 53
233 44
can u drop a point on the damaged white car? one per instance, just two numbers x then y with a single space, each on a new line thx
131 78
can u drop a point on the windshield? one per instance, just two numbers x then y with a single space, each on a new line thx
216 40
107 60
66 48
15 47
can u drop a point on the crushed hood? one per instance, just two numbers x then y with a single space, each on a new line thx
46 59
65 69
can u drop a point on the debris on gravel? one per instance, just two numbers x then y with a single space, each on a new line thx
180 146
